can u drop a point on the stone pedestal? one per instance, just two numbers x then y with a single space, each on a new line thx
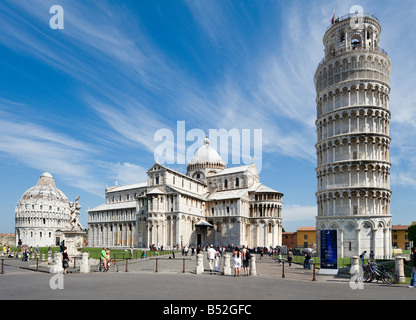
84 267
199 264
74 242
400 269
57 264
227 265
253 270
355 266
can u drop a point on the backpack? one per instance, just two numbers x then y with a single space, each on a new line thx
248 255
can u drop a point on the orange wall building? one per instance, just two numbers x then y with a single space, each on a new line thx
306 237
400 237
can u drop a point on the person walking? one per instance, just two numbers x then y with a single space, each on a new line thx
290 257
65 259
413 276
211 258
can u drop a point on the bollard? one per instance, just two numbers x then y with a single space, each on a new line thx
314 274
183 266
399 269
126 265
37 264
156 264
2 268
283 269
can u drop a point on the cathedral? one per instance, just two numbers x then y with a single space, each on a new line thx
210 204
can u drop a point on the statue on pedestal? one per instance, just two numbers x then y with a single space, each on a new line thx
74 232
74 223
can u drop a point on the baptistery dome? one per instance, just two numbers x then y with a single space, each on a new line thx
206 161
41 212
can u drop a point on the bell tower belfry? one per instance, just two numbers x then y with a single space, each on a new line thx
353 142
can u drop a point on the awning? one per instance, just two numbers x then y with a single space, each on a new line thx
204 224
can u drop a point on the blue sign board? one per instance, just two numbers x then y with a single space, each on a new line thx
329 252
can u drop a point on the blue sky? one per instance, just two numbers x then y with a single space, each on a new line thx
85 102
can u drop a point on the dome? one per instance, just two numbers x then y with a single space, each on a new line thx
46 190
207 155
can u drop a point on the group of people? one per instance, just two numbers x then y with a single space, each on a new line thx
241 258
7 252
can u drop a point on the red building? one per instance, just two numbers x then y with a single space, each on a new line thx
289 239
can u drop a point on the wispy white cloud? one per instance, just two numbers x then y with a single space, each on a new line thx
292 213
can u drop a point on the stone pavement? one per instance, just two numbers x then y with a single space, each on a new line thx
141 282
266 267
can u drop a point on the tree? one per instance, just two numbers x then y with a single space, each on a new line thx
412 233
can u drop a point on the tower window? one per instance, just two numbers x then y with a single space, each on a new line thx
237 182
225 183
355 43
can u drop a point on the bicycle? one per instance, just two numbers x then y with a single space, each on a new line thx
371 272
111 266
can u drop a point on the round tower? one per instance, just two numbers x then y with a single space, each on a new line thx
40 213
353 142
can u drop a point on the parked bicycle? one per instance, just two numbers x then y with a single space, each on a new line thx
111 266
384 274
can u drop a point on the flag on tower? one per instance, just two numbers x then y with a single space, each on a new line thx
333 18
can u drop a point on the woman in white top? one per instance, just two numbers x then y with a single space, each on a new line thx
237 261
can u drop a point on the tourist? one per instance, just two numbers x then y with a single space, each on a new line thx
211 253
306 264
237 261
217 260
372 256
362 257
65 259
131 252
103 258
290 257
413 276
246 260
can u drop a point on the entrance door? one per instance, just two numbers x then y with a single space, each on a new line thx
199 239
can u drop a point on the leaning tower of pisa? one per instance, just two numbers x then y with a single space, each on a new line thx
353 142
